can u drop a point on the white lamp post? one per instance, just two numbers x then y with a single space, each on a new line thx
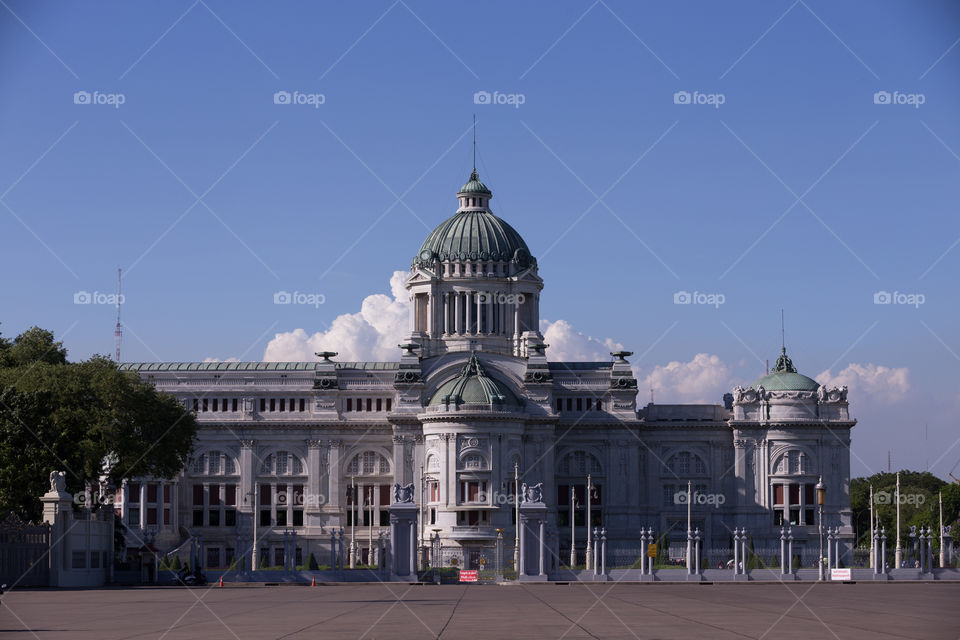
589 524
898 555
821 495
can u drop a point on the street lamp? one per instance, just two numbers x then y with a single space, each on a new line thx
821 496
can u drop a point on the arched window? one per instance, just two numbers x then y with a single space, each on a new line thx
578 463
793 462
282 463
685 463
474 461
214 463
368 463
433 463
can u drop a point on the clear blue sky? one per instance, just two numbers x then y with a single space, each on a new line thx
87 188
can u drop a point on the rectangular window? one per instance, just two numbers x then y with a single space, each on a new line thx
389 403
473 491
166 516
213 557
589 403
133 517
385 517
282 495
206 405
263 405
234 405
349 404
228 555
216 405
230 518
278 556
579 404
434 491
79 560
298 517
152 493
265 517
298 495
379 404
281 518
166 494
196 405
559 405
283 404
198 495
152 515
569 404
369 404
794 494
198 518
303 404
668 491
265 494
808 493
230 497
214 495
809 517
794 516
778 494
359 404
133 492
778 517
214 517
273 404
384 494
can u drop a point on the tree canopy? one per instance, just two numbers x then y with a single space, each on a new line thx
58 415
919 503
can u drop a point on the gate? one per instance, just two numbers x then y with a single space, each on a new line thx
492 561
24 553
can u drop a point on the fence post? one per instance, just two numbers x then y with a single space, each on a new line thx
603 551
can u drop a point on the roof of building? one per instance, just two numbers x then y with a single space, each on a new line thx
473 185
473 385
784 377
474 234
250 366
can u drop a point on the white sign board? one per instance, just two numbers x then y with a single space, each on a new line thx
839 574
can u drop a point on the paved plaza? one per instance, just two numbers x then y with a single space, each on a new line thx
771 610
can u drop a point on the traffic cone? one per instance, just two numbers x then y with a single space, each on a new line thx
314 583
221 581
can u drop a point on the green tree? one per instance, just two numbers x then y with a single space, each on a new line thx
56 415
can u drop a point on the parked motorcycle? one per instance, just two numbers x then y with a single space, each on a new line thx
191 578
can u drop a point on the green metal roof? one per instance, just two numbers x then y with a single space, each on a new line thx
784 377
472 386
474 235
249 366
473 185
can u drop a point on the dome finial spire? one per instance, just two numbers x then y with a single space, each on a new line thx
475 144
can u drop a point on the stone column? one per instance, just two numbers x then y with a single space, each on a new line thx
334 451
446 313
403 540
532 545
468 304
313 479
248 473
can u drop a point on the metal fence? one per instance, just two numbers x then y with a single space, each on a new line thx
23 552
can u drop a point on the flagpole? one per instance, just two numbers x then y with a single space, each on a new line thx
873 550
589 524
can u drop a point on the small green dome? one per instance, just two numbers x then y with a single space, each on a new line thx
473 386
473 185
784 377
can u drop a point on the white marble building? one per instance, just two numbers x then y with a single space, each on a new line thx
471 397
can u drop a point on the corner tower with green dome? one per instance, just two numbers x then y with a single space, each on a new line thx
473 284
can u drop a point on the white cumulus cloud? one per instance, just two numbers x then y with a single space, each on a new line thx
371 334
569 345
219 360
885 384
704 379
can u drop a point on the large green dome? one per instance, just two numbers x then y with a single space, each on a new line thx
473 386
784 377
474 233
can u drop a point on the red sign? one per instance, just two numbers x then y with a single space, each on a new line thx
468 576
